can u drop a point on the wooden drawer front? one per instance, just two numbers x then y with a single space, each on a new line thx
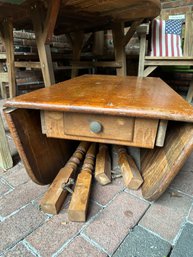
111 127
114 129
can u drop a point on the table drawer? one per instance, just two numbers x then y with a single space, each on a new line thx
101 128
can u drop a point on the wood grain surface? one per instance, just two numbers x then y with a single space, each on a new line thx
79 202
131 174
103 165
114 129
53 199
42 157
110 95
161 165
82 14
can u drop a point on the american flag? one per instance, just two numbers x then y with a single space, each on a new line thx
166 38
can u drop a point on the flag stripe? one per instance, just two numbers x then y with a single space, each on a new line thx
162 43
160 37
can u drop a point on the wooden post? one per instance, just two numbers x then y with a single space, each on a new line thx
3 90
190 92
6 30
131 31
131 175
188 47
142 32
77 41
103 165
135 153
56 194
118 41
98 45
43 49
79 202
50 21
161 133
6 161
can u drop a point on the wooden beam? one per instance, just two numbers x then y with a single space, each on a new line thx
142 54
53 199
103 165
131 31
3 92
69 38
50 22
98 45
161 133
2 55
4 77
131 175
6 161
77 44
43 49
78 206
168 62
33 65
90 64
188 48
118 41
6 29
190 92
148 70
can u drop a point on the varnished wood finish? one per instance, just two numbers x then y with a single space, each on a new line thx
103 165
54 198
82 15
78 206
142 99
161 165
115 129
43 157
110 95
131 175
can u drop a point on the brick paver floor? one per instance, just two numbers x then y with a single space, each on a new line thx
120 222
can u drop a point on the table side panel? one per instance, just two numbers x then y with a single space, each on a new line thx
115 129
42 157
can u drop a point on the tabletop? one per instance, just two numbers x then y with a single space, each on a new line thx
81 14
112 95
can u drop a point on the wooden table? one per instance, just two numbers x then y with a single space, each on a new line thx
117 110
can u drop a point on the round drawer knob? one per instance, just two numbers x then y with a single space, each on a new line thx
95 127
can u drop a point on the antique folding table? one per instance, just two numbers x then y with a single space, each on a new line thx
47 123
